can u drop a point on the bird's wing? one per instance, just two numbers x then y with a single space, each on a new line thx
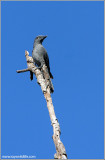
45 56
46 59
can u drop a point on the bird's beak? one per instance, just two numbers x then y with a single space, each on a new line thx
44 37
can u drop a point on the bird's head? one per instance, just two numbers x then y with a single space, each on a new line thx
39 39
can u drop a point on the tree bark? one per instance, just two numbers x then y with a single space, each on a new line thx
43 79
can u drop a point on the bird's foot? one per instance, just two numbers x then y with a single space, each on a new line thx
40 67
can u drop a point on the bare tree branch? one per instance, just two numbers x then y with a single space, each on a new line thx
23 70
43 79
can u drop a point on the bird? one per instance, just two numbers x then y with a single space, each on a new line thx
39 55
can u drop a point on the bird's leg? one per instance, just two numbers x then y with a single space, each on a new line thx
40 67
31 75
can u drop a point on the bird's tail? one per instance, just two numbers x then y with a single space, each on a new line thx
47 76
51 86
51 76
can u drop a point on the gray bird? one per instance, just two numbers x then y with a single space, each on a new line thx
40 55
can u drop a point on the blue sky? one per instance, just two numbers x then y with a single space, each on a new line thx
75 45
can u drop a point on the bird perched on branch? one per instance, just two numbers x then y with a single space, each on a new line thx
40 55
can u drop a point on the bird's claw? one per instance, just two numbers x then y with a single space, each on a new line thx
39 67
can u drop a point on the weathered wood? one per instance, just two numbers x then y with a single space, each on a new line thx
60 149
23 70
43 79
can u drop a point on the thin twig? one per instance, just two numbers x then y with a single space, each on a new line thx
23 70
